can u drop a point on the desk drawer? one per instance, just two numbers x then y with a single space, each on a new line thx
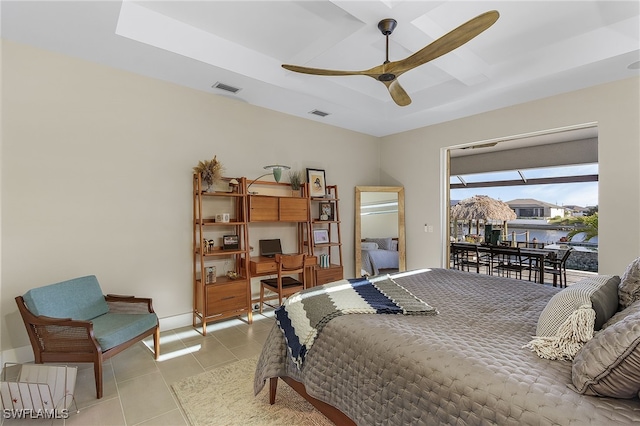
327 275
226 297
263 268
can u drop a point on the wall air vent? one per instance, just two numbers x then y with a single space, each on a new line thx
226 87
319 113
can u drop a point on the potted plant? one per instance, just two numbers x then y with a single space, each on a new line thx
295 179
210 171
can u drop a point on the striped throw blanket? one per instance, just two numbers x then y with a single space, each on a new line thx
304 315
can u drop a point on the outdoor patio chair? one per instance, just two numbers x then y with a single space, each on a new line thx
505 260
558 268
467 256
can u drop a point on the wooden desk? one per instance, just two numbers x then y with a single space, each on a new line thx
262 265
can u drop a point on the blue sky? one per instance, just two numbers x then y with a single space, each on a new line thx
580 194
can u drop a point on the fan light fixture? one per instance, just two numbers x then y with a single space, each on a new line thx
388 72
275 169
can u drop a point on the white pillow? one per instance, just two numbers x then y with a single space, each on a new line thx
369 246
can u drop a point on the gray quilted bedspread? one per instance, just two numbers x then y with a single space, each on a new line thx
463 366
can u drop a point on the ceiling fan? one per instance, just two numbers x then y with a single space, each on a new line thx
389 72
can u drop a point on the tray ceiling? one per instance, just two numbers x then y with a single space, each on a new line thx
536 49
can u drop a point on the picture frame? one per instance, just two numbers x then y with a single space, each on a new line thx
317 182
327 211
230 242
223 218
320 236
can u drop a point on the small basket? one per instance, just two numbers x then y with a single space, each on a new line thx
41 390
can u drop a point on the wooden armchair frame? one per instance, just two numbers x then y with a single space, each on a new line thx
68 340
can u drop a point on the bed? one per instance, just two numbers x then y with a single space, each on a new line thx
379 254
465 365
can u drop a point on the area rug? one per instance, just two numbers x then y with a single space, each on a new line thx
224 396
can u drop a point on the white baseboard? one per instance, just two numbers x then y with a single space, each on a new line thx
20 355
24 354
176 321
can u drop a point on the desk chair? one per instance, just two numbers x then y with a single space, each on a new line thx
284 285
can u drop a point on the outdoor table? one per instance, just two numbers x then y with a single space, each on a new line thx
539 255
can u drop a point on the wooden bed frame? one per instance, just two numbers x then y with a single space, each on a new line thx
331 412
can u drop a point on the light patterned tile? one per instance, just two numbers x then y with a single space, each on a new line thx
213 353
145 397
249 350
173 418
137 388
105 413
134 361
232 337
85 392
178 368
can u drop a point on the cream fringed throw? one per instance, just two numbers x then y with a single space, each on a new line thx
570 337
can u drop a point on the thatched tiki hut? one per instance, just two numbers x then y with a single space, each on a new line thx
482 207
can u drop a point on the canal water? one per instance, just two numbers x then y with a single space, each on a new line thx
547 236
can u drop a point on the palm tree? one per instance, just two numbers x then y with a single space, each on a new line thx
582 224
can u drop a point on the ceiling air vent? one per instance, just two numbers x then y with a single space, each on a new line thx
319 113
226 87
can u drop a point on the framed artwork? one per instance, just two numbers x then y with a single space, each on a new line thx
320 236
230 242
223 217
326 211
317 184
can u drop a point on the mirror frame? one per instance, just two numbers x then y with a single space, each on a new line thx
402 260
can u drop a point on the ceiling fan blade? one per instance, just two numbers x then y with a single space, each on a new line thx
397 93
319 71
448 42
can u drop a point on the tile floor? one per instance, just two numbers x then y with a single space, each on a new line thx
137 389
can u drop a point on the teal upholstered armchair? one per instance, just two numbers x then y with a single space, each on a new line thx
72 321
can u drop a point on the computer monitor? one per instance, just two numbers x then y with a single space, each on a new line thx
270 248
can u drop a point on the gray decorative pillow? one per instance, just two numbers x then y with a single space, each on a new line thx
621 315
607 365
383 243
600 291
629 290
605 302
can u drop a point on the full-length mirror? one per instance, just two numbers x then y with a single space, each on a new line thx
379 230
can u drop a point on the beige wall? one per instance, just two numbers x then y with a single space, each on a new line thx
96 175
414 159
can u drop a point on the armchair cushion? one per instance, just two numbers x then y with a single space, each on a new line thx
112 330
78 299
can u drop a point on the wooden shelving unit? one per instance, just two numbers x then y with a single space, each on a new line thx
218 296
333 271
